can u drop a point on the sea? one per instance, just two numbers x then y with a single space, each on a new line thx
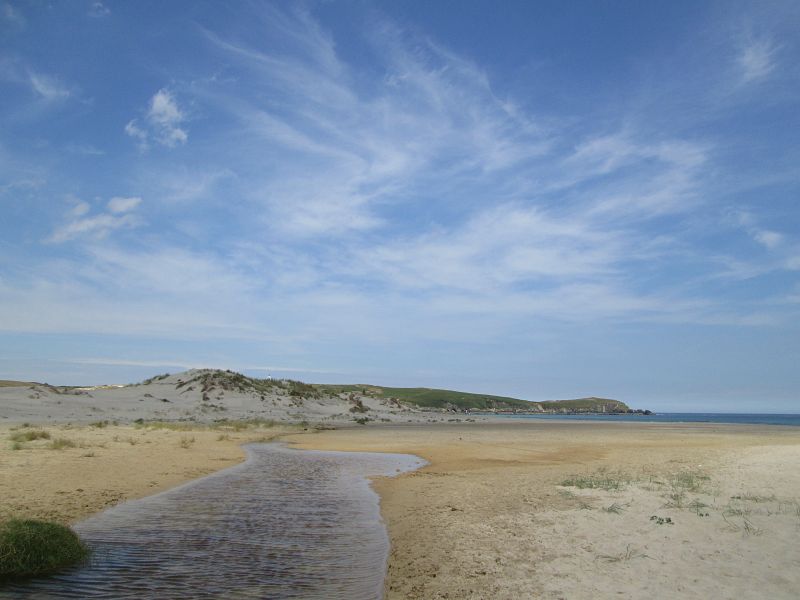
737 418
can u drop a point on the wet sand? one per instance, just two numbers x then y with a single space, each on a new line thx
677 511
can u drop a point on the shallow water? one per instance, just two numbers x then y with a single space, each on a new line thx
284 524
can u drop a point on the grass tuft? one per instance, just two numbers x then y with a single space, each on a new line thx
29 548
30 435
61 443
600 480
629 554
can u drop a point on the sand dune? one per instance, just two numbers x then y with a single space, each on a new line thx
199 395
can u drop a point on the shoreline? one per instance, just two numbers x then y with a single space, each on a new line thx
488 515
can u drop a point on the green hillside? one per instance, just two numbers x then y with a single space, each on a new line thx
436 398
9 383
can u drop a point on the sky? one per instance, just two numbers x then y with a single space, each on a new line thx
542 200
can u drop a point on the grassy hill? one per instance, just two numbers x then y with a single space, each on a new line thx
9 383
435 398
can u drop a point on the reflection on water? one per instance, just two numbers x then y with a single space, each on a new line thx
285 524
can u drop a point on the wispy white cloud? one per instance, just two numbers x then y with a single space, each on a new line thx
84 149
766 237
48 88
118 204
80 224
757 59
162 122
433 117
99 10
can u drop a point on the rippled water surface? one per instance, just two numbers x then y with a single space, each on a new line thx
285 524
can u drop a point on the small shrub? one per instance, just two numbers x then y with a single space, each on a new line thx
361 420
186 442
29 547
16 446
99 424
61 443
358 406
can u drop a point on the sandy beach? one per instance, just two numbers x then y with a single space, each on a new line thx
689 511
97 467
506 510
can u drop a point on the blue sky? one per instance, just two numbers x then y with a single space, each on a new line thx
543 200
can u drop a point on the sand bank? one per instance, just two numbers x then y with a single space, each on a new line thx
79 470
677 511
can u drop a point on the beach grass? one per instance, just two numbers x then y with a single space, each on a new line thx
29 435
61 443
30 547
601 480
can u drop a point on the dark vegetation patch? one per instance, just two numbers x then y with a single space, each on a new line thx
29 548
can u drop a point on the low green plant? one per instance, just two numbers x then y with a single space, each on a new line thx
661 520
689 481
186 441
16 446
242 424
600 480
29 547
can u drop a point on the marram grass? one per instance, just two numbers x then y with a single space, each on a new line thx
29 548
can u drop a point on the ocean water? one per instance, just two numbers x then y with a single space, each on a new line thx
284 524
740 418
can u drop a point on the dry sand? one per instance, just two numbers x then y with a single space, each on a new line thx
488 517
104 466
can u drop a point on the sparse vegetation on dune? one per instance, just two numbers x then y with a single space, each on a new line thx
220 424
29 435
600 480
61 443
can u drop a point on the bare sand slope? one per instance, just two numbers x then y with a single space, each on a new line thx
654 510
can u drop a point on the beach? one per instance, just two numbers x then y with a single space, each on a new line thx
503 510
489 518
